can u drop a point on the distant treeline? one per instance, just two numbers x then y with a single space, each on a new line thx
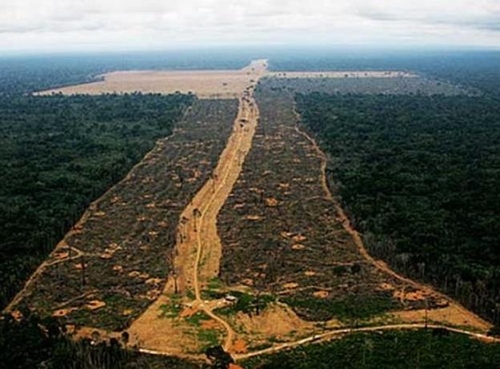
479 69
26 74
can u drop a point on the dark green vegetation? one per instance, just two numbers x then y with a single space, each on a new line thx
395 350
419 177
122 252
59 153
36 343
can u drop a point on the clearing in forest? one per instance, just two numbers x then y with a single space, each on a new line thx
286 238
216 84
115 261
281 261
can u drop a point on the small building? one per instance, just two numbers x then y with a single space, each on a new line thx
230 298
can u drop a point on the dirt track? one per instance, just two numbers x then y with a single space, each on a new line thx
198 249
341 332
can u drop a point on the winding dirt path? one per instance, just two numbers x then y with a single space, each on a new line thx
208 245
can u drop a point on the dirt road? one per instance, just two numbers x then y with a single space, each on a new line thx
208 245
198 247
340 332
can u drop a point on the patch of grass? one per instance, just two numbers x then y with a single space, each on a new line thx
214 283
197 318
190 295
171 310
351 309
208 338
212 295
246 303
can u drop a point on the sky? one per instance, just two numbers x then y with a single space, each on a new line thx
107 25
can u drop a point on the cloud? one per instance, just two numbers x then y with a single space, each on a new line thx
479 14
169 23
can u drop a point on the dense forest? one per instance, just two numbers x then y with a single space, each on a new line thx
419 176
35 343
59 153
394 349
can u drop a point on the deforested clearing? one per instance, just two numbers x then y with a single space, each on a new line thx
222 84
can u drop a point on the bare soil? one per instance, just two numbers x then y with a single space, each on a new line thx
217 84
198 248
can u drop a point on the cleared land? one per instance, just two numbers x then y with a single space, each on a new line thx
116 260
392 83
284 235
345 74
287 256
222 84
198 253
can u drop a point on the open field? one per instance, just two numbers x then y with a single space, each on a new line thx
115 261
223 84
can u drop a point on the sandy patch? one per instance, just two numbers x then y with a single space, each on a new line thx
239 347
276 320
253 217
221 84
321 294
95 304
299 238
210 324
188 312
62 312
271 202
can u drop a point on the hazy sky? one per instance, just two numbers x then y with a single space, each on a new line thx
67 25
